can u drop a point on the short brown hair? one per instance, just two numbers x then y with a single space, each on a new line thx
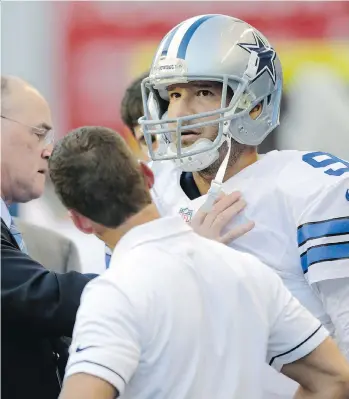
95 173
132 103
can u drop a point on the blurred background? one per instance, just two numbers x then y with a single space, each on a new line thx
83 55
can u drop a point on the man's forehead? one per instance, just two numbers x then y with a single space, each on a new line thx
204 84
29 104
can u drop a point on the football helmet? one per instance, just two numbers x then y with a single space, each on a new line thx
216 48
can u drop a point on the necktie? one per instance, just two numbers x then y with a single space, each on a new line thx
107 260
107 257
18 237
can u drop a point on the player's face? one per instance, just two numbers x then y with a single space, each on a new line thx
193 98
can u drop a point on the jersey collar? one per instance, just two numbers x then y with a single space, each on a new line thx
155 230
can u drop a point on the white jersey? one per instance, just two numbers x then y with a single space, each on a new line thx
299 202
178 316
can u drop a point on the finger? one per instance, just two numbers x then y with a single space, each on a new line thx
237 232
226 216
220 196
201 214
198 218
223 202
222 205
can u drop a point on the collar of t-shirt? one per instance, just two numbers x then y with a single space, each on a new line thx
155 230
189 186
5 214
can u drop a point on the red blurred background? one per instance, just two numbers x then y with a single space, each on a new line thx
107 44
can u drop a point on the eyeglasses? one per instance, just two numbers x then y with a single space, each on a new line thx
46 136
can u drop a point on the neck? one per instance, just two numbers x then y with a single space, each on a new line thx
112 236
203 182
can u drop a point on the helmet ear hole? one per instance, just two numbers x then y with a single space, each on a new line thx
257 110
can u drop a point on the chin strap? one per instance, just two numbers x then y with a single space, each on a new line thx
216 184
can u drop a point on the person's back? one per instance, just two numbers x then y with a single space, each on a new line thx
193 318
194 293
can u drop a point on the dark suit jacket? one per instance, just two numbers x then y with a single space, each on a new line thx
37 308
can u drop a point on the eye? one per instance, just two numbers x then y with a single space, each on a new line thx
174 95
40 133
204 93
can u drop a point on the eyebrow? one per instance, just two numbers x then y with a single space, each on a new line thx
201 85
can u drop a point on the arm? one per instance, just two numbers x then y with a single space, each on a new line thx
300 346
334 295
322 374
323 233
323 240
83 386
34 298
106 345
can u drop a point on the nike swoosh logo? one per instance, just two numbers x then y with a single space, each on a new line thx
78 349
347 195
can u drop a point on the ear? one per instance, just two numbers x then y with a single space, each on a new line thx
147 174
83 223
256 111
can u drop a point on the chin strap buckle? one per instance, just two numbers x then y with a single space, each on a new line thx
212 194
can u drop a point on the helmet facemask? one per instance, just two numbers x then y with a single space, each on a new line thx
170 130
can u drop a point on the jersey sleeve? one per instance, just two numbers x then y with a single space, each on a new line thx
323 234
106 342
334 295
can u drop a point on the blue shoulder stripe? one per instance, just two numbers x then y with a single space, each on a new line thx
324 228
324 253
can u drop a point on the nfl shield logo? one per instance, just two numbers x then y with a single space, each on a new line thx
186 214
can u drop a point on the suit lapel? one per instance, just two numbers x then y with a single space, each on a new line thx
6 233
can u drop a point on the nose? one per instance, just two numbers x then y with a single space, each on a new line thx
47 151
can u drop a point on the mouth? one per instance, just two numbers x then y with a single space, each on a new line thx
189 135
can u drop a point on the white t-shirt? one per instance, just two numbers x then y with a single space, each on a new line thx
178 316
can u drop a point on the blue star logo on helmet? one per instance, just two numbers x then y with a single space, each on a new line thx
266 56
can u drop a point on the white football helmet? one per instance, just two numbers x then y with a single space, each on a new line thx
213 48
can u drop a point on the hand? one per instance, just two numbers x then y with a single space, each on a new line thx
210 224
